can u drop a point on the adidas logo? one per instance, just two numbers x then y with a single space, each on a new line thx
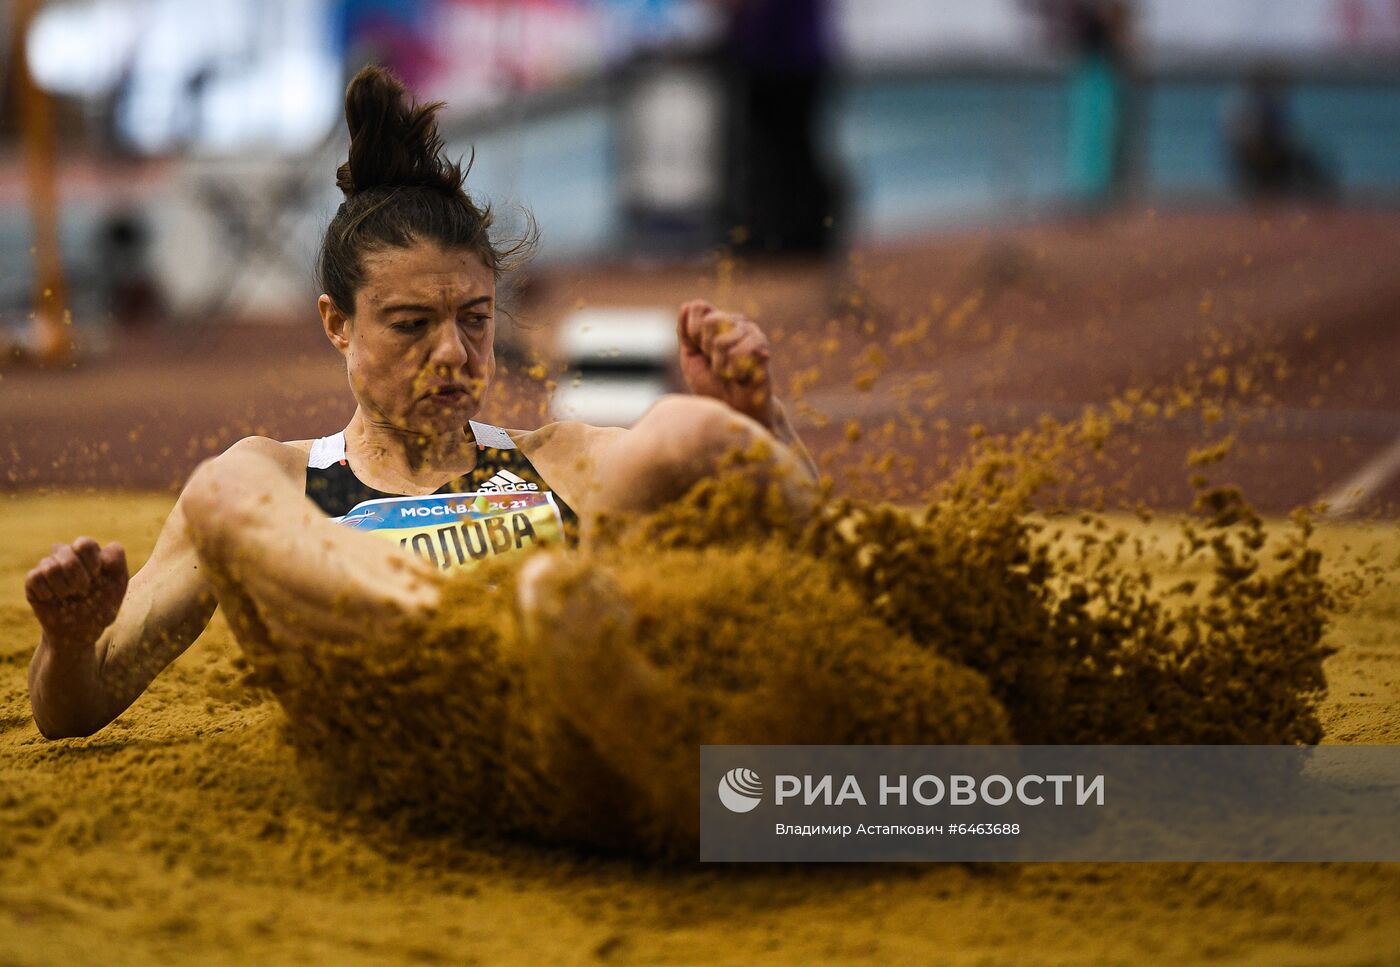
505 482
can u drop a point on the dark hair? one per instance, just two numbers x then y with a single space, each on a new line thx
400 190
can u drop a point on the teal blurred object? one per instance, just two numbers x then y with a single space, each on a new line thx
1094 159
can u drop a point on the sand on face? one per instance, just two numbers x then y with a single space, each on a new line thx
185 832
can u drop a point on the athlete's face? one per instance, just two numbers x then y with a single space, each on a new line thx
419 347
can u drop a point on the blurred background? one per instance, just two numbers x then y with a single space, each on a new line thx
950 213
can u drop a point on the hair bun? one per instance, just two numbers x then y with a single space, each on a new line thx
394 142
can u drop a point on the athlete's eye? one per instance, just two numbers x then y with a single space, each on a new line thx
476 322
410 325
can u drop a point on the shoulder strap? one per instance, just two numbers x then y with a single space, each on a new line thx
326 451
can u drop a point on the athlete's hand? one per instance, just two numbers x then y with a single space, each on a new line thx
75 591
724 355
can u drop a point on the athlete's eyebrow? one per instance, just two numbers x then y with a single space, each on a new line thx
483 300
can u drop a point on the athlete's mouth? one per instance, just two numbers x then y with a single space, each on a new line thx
452 393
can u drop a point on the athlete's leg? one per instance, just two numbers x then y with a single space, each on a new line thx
644 707
572 613
683 440
398 705
615 713
283 572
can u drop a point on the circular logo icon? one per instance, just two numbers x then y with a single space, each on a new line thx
740 790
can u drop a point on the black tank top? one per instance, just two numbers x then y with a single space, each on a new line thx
501 469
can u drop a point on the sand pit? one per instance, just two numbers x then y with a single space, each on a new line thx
187 832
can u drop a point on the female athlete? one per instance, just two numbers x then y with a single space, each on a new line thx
288 537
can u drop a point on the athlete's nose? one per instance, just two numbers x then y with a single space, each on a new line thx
450 351
479 358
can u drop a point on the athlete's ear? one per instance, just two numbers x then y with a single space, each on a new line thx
335 322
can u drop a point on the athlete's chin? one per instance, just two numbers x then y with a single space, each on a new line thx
447 415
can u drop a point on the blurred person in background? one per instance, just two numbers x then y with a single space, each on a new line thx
132 295
394 33
1267 157
777 60
1097 34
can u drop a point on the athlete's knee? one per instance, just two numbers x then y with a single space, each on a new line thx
218 499
696 431
200 501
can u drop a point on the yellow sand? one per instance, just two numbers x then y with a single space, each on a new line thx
858 624
188 831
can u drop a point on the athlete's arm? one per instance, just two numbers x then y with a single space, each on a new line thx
782 428
105 639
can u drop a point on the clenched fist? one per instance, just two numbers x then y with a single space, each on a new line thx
75 591
724 355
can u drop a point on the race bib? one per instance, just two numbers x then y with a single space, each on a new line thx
459 531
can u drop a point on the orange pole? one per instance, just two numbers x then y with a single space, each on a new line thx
53 333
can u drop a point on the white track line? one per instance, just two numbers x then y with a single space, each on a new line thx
1351 493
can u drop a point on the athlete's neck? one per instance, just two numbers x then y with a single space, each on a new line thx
393 459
